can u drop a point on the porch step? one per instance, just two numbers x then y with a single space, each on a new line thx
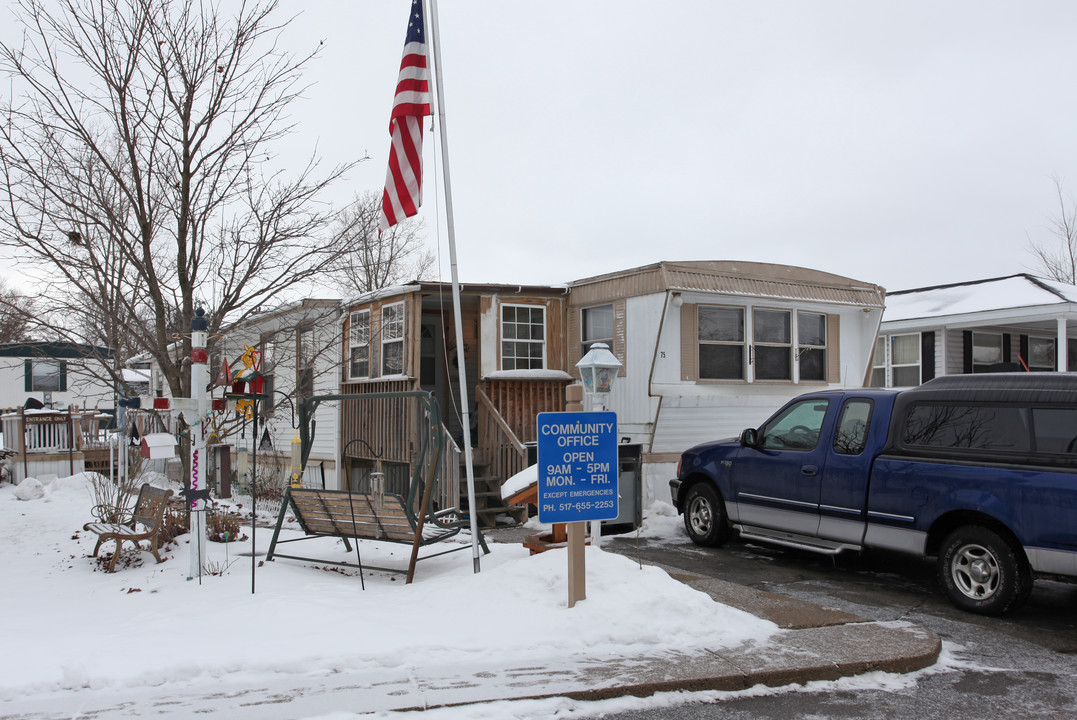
490 510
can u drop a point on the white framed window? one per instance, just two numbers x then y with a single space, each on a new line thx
772 336
986 351
392 339
304 361
596 325
878 363
523 337
722 346
359 344
1041 354
46 375
811 346
905 360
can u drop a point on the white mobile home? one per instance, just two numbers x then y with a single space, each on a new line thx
1017 323
712 347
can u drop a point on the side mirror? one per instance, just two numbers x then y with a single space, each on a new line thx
748 438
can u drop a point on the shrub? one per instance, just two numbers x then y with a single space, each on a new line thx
223 526
173 524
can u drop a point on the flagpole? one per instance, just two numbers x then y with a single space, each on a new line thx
469 467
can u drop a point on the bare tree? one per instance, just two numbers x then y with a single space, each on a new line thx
137 170
1058 260
370 260
16 314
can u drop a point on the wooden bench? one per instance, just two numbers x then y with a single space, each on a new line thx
148 513
364 516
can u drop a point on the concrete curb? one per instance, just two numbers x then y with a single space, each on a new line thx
814 643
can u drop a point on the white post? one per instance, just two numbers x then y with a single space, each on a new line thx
199 380
457 316
1062 345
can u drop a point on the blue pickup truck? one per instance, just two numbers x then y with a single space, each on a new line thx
978 471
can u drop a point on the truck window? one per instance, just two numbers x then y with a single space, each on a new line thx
852 434
797 427
1055 429
979 427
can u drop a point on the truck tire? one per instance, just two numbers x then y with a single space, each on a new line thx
704 516
982 571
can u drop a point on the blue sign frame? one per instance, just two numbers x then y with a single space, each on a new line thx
577 466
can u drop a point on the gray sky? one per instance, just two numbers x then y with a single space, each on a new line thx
901 143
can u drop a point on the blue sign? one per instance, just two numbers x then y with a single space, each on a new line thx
577 459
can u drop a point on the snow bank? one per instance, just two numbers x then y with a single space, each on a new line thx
77 626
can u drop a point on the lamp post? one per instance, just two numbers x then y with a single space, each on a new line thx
598 371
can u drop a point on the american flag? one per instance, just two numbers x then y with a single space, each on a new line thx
404 178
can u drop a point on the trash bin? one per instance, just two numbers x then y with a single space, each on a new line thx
629 490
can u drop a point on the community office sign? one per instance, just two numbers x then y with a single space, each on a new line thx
577 459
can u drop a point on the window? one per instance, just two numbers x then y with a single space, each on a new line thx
268 348
596 325
797 428
811 346
967 427
772 336
46 375
523 337
986 351
392 339
1041 354
878 364
721 342
905 360
359 344
304 361
852 434
1055 429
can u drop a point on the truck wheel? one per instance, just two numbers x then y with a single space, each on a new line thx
982 572
704 516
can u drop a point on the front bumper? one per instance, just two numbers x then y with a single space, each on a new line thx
675 491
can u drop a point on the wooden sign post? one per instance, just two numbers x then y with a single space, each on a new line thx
577 480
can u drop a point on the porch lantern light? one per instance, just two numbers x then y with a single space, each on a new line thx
598 371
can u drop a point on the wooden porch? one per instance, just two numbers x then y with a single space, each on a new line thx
388 432
45 442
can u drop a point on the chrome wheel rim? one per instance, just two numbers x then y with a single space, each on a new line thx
700 516
975 571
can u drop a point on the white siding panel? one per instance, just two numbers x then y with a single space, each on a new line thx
684 422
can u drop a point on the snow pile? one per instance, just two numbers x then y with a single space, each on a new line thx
147 625
30 489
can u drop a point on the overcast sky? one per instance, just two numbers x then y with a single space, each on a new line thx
900 143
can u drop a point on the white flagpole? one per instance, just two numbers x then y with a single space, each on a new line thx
432 13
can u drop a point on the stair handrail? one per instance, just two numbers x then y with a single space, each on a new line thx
519 449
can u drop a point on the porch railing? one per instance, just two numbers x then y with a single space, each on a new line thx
502 451
50 432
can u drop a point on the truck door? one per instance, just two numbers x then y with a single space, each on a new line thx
778 480
843 494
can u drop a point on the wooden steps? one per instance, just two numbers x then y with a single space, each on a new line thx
491 510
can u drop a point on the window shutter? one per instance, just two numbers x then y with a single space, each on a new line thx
1024 350
620 340
927 356
63 376
374 354
575 340
833 348
689 343
966 354
1007 347
28 375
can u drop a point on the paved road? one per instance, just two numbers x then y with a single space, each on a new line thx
1021 666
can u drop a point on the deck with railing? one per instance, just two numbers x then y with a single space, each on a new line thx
52 441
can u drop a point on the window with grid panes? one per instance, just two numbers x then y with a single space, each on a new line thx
523 337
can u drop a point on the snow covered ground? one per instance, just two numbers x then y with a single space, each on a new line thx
74 635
